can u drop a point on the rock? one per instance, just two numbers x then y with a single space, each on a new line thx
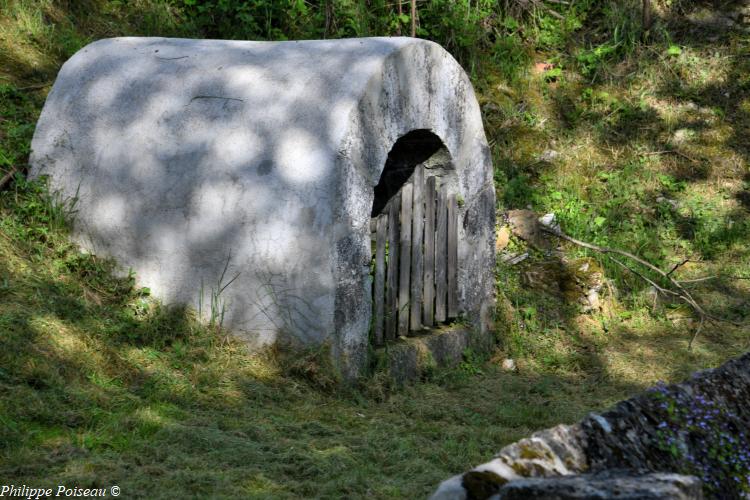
451 489
681 136
525 225
592 301
512 259
578 281
549 220
503 238
623 449
623 485
509 365
588 278
549 156
672 203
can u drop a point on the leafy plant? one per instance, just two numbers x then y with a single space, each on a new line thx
674 50
472 363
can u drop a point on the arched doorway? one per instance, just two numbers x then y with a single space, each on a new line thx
414 236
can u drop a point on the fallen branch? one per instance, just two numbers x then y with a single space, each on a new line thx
717 277
675 290
7 178
695 334
36 86
677 266
671 152
658 288
696 280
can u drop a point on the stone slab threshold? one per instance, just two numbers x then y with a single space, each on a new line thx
411 358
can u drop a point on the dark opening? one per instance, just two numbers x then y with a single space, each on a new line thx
410 150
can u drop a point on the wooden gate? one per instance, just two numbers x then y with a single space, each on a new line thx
416 259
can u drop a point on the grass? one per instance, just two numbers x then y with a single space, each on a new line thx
101 385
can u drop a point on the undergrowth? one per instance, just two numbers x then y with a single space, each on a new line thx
633 140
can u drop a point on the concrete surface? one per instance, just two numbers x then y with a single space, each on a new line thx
189 156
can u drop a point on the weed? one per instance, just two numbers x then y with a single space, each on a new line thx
217 306
472 362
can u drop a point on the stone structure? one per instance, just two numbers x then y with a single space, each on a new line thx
257 161
700 427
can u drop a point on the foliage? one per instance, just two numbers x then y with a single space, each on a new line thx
702 436
472 362
18 113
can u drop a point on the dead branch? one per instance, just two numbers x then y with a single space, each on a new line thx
7 178
658 288
646 16
36 86
696 280
671 152
695 334
677 266
675 289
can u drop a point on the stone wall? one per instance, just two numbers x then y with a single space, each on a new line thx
664 443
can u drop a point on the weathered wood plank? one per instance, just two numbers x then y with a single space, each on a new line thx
391 314
379 285
441 256
452 256
428 292
404 260
417 233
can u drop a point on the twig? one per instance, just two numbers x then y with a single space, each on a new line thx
650 282
676 266
35 87
7 178
720 276
671 152
681 293
696 280
695 334
553 13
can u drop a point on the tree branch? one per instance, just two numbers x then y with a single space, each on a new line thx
676 289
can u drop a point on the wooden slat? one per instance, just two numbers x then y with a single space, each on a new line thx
441 256
404 260
417 229
379 285
391 314
452 257
428 290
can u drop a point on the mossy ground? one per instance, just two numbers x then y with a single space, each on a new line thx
101 385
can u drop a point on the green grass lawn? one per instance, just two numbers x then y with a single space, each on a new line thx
101 385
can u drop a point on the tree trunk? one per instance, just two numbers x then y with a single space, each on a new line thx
329 18
646 17
399 11
413 18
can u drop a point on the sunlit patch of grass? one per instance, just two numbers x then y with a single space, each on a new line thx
650 162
